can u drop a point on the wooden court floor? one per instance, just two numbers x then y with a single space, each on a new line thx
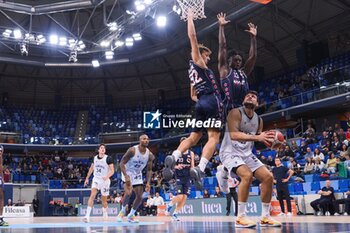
298 224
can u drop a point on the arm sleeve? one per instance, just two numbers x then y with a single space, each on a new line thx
109 160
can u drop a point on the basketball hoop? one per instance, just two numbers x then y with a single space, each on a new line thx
196 6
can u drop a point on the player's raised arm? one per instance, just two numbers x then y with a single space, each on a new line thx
191 31
250 63
222 54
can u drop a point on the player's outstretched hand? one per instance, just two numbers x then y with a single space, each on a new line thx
222 19
253 29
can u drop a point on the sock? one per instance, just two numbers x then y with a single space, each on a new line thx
171 203
123 209
177 154
88 211
170 206
241 208
132 212
265 209
104 210
175 212
203 163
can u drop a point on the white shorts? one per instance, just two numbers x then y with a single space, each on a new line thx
136 178
234 161
102 185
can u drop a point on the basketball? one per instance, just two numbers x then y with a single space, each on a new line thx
277 141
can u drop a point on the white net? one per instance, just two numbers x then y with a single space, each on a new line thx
196 6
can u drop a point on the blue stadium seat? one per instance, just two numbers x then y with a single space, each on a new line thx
343 185
315 186
308 178
291 188
307 186
298 188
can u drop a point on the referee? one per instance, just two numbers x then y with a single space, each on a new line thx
279 174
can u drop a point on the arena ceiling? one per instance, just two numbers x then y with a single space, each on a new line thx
157 62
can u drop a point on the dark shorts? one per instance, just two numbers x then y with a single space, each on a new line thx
183 186
209 107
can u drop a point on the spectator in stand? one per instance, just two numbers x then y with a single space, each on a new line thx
270 161
328 147
347 135
343 151
280 154
263 159
206 194
7 175
294 146
337 128
217 192
342 171
158 200
318 154
151 209
288 152
9 202
309 167
325 125
303 148
347 162
345 201
319 165
331 164
296 168
341 135
324 138
336 145
309 132
308 153
326 199
330 132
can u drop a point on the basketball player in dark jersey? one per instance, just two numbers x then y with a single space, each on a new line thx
183 181
206 92
233 74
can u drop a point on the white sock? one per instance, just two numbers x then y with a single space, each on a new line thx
175 212
104 210
241 208
203 163
132 212
265 209
171 203
177 154
88 211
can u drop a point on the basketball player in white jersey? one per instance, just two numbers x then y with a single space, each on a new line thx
131 166
103 169
244 127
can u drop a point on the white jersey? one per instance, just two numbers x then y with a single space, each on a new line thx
138 162
101 167
237 148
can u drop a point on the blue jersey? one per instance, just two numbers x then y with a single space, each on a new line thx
235 87
203 80
185 161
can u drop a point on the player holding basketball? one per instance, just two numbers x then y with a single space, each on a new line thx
183 181
131 166
103 169
206 92
233 75
2 222
244 127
